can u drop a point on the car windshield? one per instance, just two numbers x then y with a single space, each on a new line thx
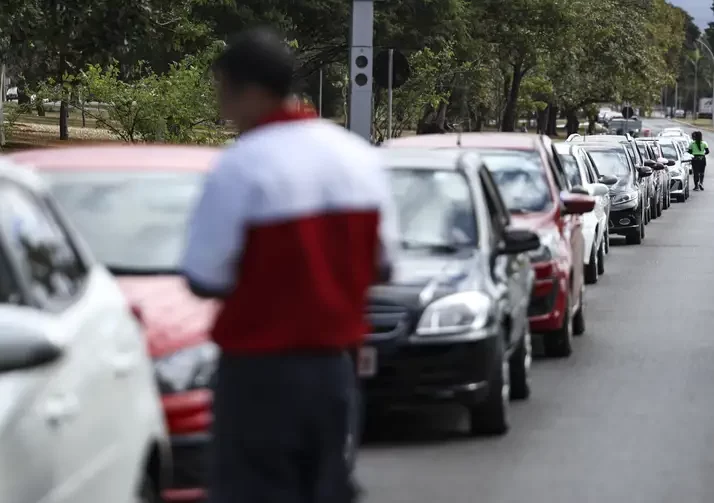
521 179
611 162
134 221
435 208
669 152
571 169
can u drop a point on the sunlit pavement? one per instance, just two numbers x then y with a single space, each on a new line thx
629 418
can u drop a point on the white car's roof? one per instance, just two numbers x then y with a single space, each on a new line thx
24 175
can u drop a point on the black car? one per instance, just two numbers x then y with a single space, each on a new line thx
452 325
659 175
628 195
635 156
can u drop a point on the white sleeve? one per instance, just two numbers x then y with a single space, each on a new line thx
216 231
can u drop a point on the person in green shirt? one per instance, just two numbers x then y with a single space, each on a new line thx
699 149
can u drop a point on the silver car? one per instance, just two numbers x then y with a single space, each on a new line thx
679 173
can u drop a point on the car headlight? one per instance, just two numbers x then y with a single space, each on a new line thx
187 369
624 198
455 314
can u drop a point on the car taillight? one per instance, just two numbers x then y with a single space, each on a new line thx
543 270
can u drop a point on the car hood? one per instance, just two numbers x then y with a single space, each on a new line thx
173 317
420 277
623 185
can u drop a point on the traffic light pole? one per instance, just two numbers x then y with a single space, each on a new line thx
361 38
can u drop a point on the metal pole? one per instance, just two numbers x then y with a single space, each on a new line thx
390 91
711 56
2 104
319 97
361 50
696 78
676 97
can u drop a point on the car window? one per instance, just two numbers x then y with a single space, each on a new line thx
10 292
561 179
587 163
39 246
612 162
670 152
435 207
572 171
520 178
134 222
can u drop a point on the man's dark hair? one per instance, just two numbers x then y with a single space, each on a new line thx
260 57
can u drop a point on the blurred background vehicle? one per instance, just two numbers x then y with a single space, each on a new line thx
131 204
81 414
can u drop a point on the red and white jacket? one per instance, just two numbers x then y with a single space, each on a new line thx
294 221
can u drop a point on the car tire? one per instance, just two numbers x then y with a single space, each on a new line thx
660 207
591 268
520 366
491 416
654 205
147 491
559 344
601 259
579 318
607 242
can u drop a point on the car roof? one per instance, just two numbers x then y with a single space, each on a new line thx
422 158
565 148
603 146
125 157
505 141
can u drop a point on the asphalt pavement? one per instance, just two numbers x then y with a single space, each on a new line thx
628 418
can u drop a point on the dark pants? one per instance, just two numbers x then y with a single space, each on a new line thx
280 425
698 167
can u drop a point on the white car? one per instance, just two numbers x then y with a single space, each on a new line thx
80 414
670 132
582 172
602 113
679 173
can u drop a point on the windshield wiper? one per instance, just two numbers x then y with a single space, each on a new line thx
142 271
435 247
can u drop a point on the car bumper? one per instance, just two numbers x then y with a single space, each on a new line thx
190 453
414 373
624 221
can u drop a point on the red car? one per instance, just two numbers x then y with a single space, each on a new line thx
131 205
536 190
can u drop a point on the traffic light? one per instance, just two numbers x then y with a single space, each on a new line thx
362 66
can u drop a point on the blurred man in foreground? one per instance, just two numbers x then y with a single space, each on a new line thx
293 227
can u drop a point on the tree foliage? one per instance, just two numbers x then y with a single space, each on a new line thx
473 63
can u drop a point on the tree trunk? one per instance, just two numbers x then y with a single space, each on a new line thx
552 124
509 114
64 108
573 123
542 121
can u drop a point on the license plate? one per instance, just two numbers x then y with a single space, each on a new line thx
367 362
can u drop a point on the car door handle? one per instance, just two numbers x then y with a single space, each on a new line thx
61 409
124 363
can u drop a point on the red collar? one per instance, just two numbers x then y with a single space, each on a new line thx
288 115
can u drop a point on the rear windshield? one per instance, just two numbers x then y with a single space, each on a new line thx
521 178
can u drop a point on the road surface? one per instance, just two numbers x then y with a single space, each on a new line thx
629 418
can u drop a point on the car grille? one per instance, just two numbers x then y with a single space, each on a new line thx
675 185
385 320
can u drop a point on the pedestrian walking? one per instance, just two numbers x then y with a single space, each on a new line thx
699 149
294 224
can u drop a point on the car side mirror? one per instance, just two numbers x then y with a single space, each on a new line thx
600 189
644 171
658 166
686 160
671 162
517 241
650 163
607 179
22 348
576 204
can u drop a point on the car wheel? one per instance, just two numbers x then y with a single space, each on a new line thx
491 416
607 242
520 366
591 268
147 491
579 318
559 344
601 259
686 192
660 207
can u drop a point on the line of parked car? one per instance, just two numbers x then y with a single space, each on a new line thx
105 355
